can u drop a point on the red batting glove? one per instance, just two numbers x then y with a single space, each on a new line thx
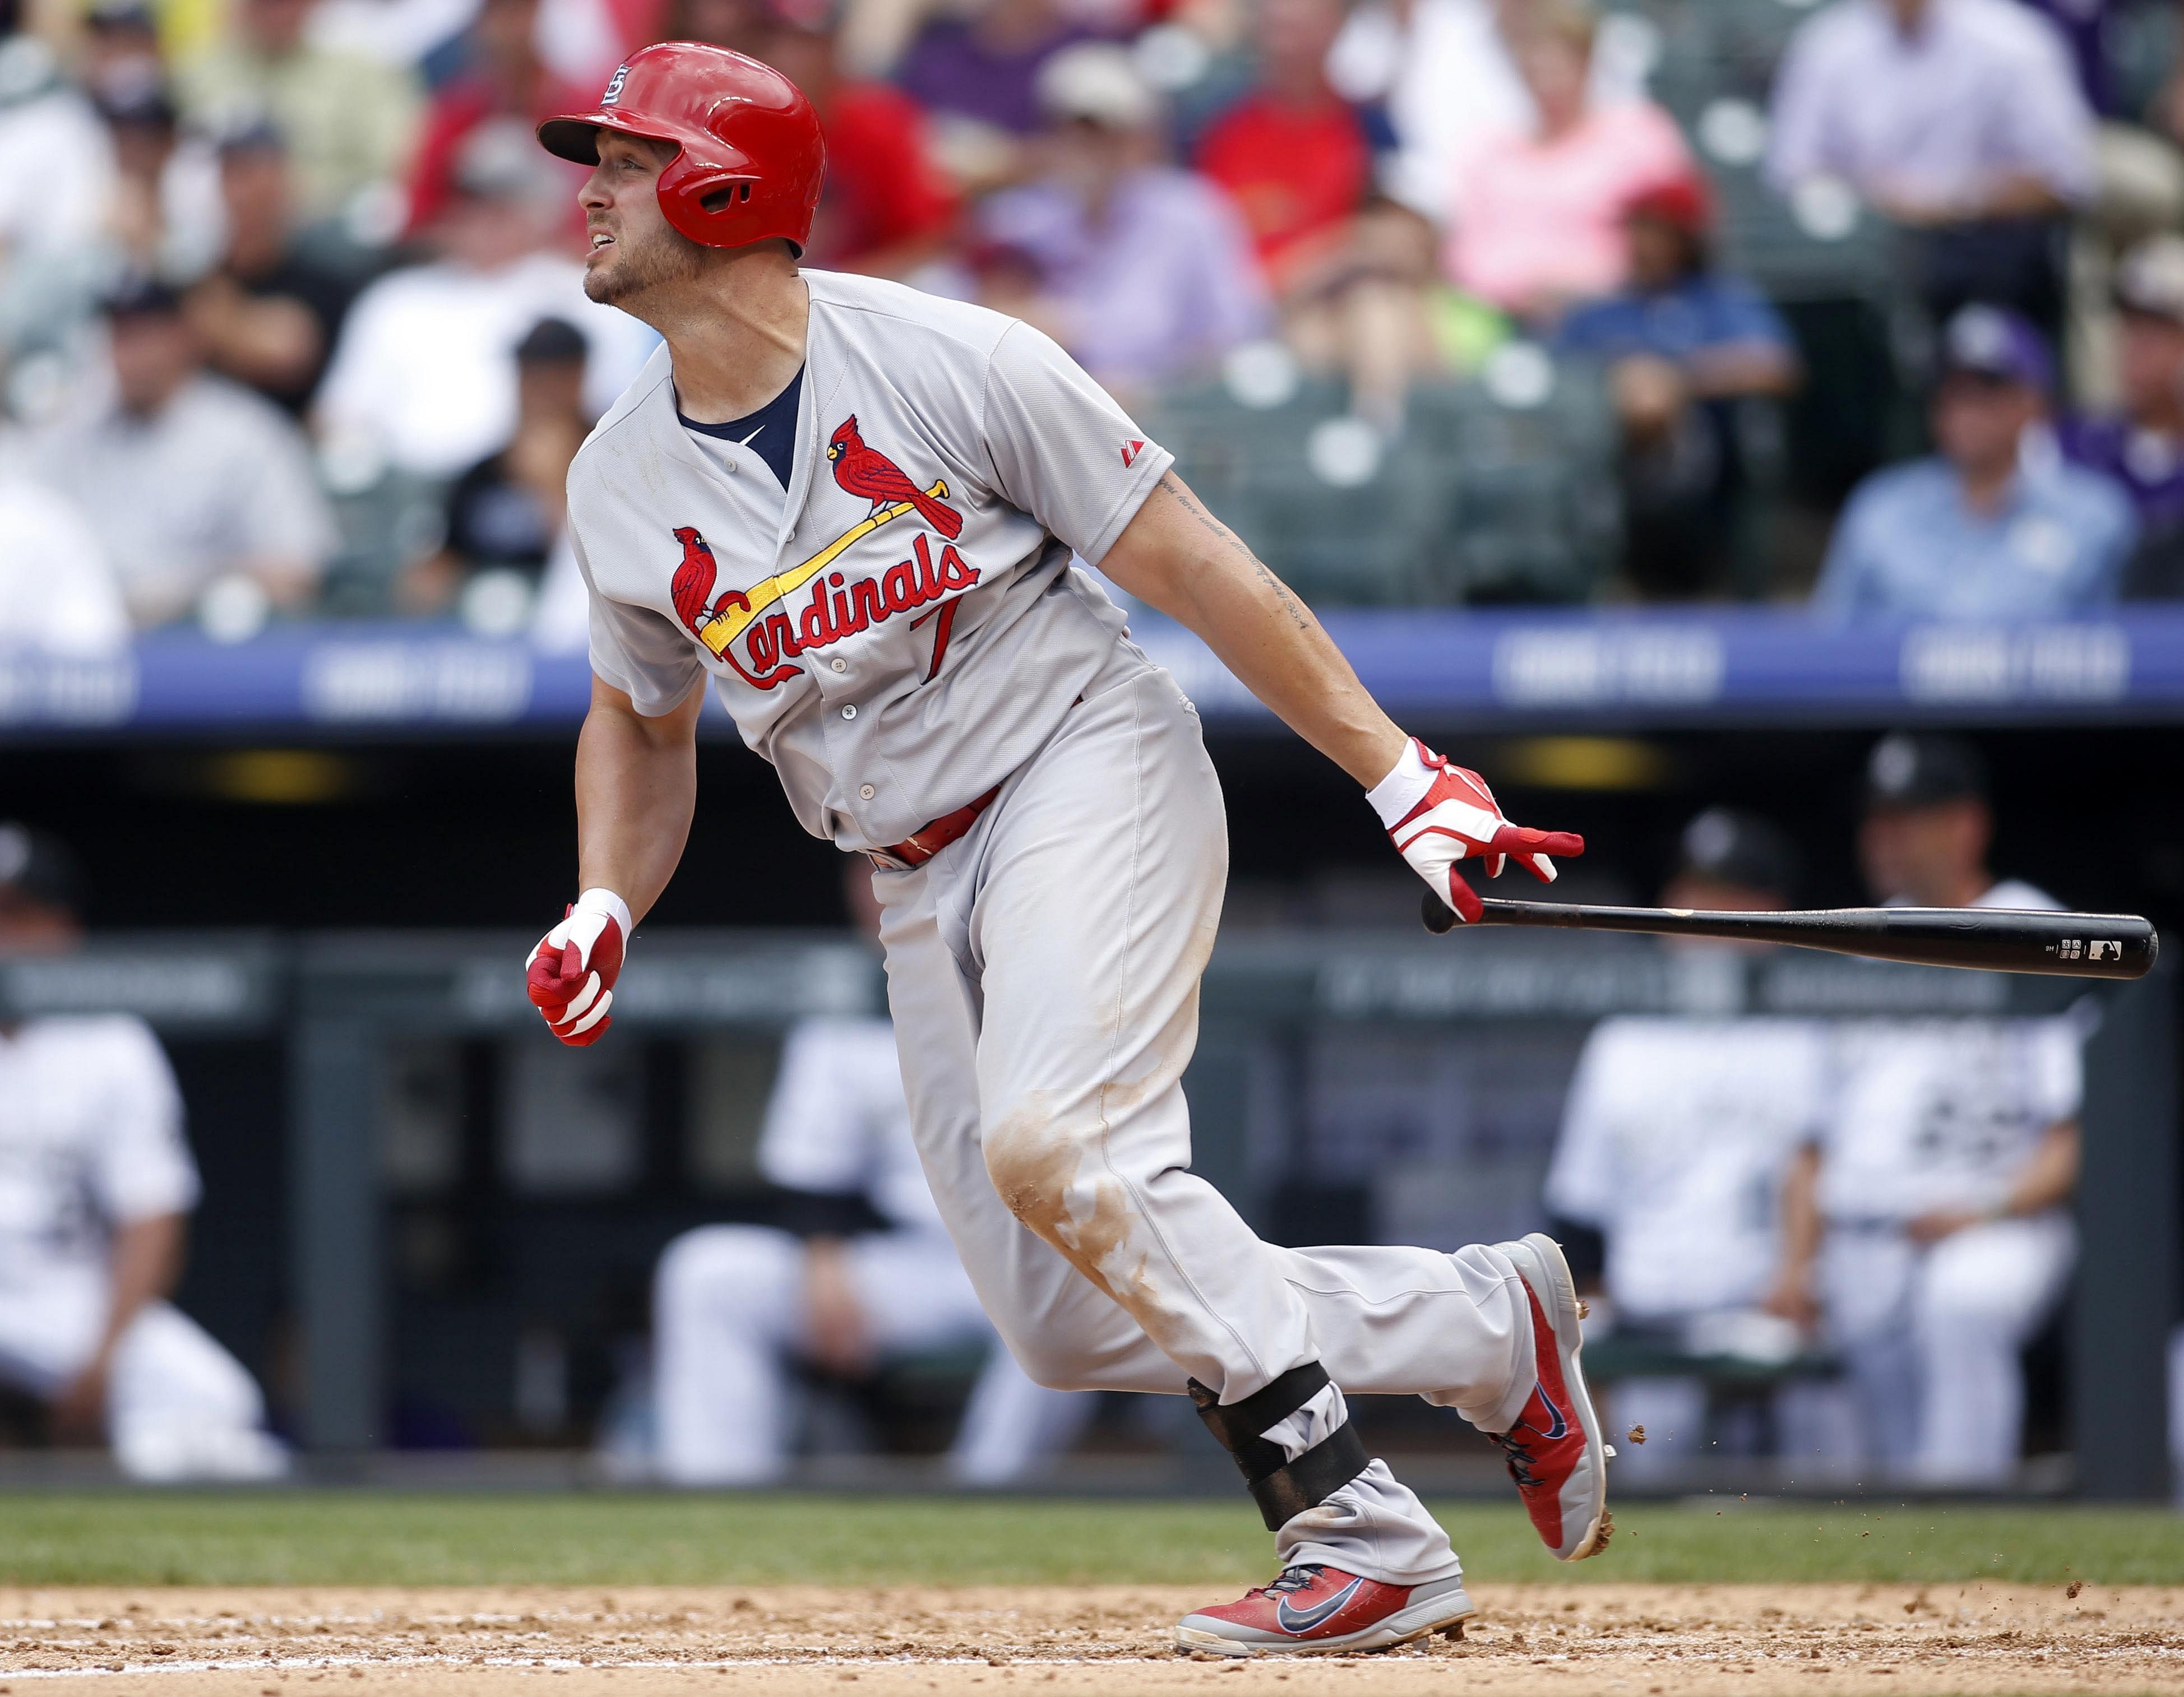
1437 814
571 975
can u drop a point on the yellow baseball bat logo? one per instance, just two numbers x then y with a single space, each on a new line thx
747 606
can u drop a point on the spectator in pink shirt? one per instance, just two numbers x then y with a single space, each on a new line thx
1537 221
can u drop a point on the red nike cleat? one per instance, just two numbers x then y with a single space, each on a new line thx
1313 1610
1555 1451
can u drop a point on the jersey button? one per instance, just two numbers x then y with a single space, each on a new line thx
839 663
849 713
866 792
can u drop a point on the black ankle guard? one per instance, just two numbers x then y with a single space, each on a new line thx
1283 1489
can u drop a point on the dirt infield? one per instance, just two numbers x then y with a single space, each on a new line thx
1049 1642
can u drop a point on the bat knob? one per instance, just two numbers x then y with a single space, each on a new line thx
1439 916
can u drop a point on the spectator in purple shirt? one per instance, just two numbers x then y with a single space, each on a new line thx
1964 121
1142 271
985 68
2084 25
2141 447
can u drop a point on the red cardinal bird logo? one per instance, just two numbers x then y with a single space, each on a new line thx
693 582
866 471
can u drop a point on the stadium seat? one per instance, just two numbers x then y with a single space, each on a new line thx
1715 72
1346 517
2141 41
1710 49
1498 489
385 525
1531 445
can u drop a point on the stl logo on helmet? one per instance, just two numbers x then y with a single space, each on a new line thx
771 633
614 85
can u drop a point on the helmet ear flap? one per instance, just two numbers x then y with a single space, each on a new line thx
702 197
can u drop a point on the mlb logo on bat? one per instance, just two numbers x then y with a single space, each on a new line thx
2100 950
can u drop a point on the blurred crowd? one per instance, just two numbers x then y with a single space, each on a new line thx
1576 302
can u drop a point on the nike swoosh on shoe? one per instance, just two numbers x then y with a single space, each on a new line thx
1304 1620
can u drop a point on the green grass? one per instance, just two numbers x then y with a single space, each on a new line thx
371 1537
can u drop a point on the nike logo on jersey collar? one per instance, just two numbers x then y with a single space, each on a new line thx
1304 1620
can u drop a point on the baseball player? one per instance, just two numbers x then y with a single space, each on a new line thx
1676 1142
1936 1198
853 508
96 1189
733 1306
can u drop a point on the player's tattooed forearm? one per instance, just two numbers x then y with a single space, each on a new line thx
1189 503
1299 615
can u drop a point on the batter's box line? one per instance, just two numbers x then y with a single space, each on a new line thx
570 1664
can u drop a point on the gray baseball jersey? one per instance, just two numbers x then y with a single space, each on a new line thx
906 628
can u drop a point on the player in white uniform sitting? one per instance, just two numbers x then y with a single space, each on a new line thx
96 1188
734 1306
1676 1141
1937 1197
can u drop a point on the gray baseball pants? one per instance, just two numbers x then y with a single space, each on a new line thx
1042 975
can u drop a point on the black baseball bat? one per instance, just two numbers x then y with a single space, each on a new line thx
2066 945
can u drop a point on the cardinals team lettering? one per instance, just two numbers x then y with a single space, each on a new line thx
839 606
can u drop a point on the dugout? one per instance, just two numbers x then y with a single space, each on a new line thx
463 1204
325 779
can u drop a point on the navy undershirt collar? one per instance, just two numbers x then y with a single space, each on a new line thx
769 432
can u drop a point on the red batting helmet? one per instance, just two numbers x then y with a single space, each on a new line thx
749 158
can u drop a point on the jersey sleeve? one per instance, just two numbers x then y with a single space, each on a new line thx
635 649
814 1137
142 1166
351 395
1807 1124
1746 315
1581 1183
286 517
2057 1074
2113 535
2052 135
1798 128
1846 587
1061 448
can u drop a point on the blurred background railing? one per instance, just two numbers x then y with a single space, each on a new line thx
437 1232
1499 670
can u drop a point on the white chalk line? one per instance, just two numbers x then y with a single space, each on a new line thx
821 1660
571 1665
